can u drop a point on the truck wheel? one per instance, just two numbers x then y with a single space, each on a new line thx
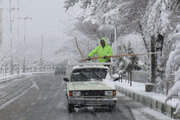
71 108
111 108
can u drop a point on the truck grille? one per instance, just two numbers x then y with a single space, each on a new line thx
93 93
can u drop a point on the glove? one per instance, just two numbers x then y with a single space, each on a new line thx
88 58
105 56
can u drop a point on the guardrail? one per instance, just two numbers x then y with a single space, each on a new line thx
147 101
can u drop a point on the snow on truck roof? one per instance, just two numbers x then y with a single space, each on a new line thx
72 67
91 65
88 66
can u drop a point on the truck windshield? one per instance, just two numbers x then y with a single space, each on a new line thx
89 74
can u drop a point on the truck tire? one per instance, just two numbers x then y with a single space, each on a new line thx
70 108
111 108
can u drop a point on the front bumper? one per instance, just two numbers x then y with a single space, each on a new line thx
92 101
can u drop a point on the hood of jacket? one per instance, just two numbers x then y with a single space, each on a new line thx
104 39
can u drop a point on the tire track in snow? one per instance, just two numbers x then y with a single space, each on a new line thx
32 85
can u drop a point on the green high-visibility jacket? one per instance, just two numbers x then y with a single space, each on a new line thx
101 52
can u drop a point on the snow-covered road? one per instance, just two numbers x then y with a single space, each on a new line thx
41 97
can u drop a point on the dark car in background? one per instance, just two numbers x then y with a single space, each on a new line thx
60 69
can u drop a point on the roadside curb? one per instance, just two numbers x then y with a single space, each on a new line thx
10 78
147 101
7 79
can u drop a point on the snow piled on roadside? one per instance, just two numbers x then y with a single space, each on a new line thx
139 88
9 77
146 114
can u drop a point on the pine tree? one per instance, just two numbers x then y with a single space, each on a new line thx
128 64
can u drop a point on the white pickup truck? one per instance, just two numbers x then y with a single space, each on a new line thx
85 87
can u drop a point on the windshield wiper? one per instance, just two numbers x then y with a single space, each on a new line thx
83 75
98 75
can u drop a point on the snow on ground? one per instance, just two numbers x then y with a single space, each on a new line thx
8 77
15 78
140 89
146 113
14 99
42 72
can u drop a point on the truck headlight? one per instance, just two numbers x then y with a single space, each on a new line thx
109 93
76 93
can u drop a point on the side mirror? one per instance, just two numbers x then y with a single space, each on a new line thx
66 79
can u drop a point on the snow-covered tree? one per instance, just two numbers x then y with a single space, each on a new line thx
156 26
173 64
110 14
154 19
0 26
129 63
157 18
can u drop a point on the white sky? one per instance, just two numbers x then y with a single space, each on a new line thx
45 16
46 19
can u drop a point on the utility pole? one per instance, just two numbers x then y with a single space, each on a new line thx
115 39
1 20
18 32
24 59
41 54
11 39
18 29
11 36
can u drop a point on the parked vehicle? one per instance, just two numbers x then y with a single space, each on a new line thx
60 70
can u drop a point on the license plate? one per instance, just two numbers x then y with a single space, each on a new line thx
93 102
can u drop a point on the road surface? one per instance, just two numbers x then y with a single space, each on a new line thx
41 97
